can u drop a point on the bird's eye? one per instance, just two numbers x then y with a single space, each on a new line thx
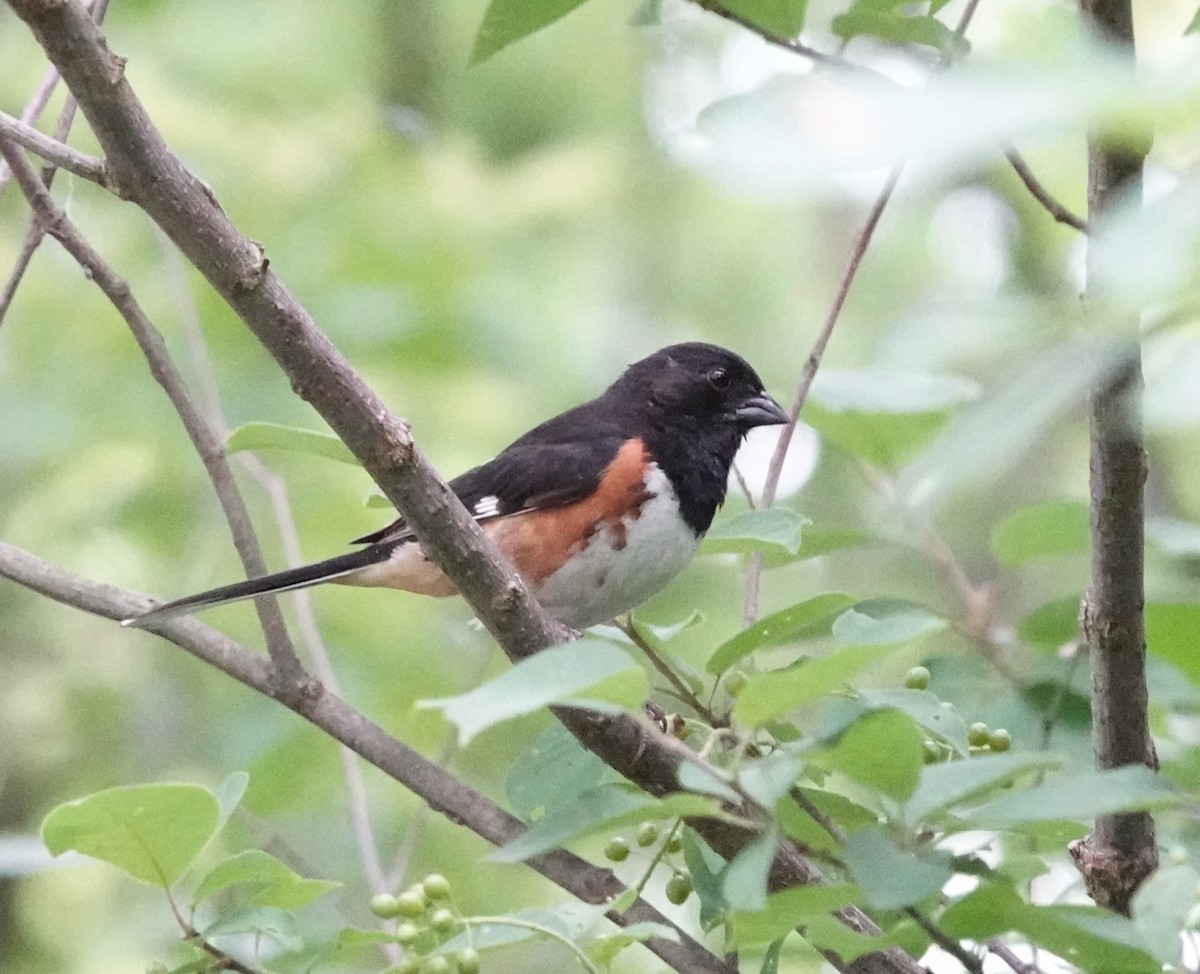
719 379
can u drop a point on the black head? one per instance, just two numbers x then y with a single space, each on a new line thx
700 383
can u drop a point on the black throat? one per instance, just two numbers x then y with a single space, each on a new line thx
697 461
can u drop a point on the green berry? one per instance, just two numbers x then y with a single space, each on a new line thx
978 734
617 849
933 753
999 740
467 961
679 888
410 904
409 964
436 965
407 932
647 834
674 842
736 682
917 678
384 905
437 886
443 920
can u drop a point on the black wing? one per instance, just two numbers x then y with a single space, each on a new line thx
527 476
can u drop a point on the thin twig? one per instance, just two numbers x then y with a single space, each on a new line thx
60 154
682 690
775 468
948 944
62 128
1002 950
779 40
32 111
743 486
1041 194
207 444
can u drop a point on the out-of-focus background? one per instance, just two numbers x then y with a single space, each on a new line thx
491 245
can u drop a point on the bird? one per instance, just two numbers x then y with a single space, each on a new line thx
597 508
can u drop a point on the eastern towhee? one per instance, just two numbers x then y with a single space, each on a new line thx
597 508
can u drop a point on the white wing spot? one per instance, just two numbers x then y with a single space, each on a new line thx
488 506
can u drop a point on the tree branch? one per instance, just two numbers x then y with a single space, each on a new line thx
58 153
441 790
1041 194
1121 851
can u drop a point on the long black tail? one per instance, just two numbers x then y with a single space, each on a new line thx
293 578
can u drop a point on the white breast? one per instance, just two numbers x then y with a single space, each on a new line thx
622 566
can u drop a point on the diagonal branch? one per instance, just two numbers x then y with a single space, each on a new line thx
1041 194
57 153
443 792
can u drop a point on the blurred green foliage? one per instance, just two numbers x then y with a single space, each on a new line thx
490 245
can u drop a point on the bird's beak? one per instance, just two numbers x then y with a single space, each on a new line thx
760 410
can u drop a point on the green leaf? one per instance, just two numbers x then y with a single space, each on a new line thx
272 883
152 832
507 21
604 948
570 920
945 785
924 708
827 933
229 795
1092 939
706 867
883 417
898 29
779 627
775 531
788 909
883 750
769 695
769 778
881 621
890 877
552 769
822 539
1082 796
272 436
695 777
263 921
770 964
602 808
1193 24
744 881
588 673
847 815
1173 633
352 938
990 910
1054 528
784 17
1051 625
1161 907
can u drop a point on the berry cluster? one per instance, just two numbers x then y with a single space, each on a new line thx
424 920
